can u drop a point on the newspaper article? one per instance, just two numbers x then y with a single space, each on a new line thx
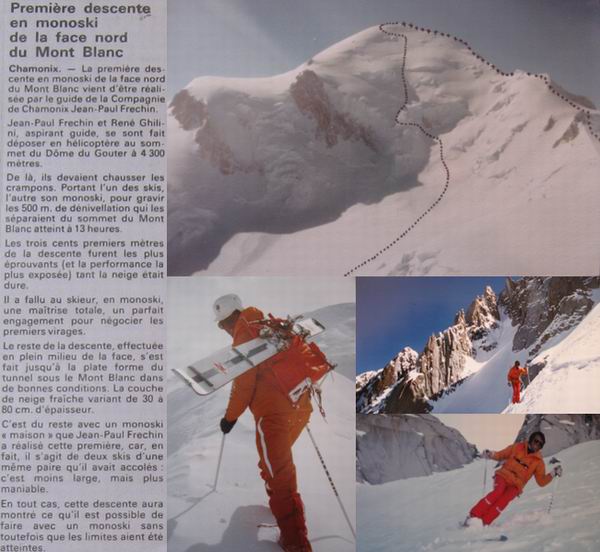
314 148
83 436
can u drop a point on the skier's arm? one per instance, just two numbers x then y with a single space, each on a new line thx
241 394
242 390
541 477
502 454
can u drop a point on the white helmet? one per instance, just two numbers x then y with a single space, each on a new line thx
225 305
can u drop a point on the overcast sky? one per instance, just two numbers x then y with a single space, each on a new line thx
486 431
249 38
393 313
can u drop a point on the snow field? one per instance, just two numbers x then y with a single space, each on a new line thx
227 519
423 513
486 389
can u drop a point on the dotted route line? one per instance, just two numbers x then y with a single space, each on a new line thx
587 112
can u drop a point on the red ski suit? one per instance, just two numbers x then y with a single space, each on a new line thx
514 378
278 425
518 468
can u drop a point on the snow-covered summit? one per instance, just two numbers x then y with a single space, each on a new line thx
345 151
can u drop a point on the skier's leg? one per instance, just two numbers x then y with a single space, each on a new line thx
298 423
515 397
496 509
274 438
487 501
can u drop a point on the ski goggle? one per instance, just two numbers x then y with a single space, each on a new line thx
537 441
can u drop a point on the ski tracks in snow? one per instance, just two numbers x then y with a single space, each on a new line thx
587 113
426 133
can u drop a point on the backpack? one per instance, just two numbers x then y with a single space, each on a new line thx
300 364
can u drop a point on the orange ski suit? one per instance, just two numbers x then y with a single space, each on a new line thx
514 378
278 425
519 467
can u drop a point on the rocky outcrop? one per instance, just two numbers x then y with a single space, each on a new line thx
540 307
407 396
189 112
561 430
309 94
409 380
482 314
443 359
193 114
383 380
398 447
543 307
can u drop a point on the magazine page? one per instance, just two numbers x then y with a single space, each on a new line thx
302 276
446 155
83 430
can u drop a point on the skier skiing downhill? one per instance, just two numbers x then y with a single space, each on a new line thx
279 422
521 461
514 380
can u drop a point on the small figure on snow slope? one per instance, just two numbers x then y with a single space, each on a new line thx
521 462
514 379
279 422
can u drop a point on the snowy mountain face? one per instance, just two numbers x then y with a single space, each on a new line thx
561 430
398 447
552 324
396 151
544 307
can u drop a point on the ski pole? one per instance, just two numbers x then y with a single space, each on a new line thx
555 485
219 462
330 480
484 473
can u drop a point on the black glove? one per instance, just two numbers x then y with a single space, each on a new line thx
487 454
226 425
557 471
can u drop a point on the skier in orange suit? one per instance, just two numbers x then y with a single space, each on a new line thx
522 461
514 379
278 424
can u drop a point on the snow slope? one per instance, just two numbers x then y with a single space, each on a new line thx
484 389
422 514
201 519
259 186
568 383
570 380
